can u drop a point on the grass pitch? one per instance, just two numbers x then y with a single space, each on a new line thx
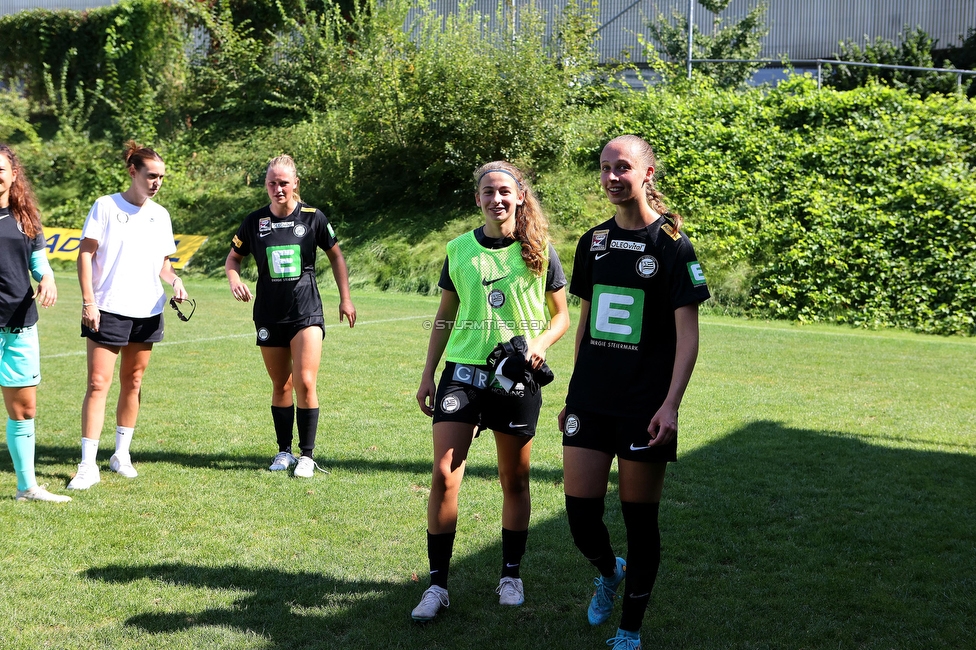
824 498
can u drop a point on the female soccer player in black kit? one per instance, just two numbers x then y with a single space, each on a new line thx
283 238
639 283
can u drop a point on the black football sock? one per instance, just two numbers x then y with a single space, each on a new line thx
513 548
308 424
643 560
284 422
590 534
440 548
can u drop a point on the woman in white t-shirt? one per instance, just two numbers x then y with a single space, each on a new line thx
125 247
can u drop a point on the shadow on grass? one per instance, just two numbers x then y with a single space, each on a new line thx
773 537
46 455
49 455
318 610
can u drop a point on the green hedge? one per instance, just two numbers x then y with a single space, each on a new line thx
844 206
122 66
855 207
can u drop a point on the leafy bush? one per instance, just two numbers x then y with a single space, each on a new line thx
851 207
738 40
916 50
845 206
133 53
15 123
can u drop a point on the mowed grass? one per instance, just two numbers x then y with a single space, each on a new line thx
825 498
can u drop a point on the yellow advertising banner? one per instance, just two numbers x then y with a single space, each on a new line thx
62 243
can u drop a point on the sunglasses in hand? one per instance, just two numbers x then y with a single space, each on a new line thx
180 308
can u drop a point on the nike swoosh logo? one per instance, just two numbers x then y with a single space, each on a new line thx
640 595
633 448
510 566
601 255
490 282
263 234
512 425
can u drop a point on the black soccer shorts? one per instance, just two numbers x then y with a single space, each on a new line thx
468 394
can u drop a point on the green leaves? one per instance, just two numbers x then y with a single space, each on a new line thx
854 207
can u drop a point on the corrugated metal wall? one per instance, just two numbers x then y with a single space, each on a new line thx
13 6
799 29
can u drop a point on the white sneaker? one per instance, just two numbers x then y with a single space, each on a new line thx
86 477
305 467
282 461
122 465
430 603
510 592
40 493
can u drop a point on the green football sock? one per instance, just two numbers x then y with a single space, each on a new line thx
20 442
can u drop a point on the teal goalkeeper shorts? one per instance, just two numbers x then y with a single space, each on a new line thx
20 357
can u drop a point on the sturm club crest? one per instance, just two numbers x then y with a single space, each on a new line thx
450 404
646 266
496 298
572 425
263 334
598 242
300 230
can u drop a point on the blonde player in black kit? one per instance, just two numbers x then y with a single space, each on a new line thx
283 237
499 281
640 284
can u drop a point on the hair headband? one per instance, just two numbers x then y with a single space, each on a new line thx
501 171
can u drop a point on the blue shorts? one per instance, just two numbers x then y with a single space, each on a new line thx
20 357
623 437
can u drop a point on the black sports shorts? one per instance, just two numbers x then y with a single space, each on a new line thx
117 331
279 335
465 394
624 437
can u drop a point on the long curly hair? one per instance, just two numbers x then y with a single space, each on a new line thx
655 199
22 201
531 223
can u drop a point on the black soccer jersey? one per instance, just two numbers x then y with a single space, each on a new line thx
17 308
284 250
634 281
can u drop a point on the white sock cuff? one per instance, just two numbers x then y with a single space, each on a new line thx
89 450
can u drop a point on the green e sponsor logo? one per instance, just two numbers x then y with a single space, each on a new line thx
696 273
285 261
617 314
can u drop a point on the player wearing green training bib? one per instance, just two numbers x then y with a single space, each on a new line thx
283 237
502 280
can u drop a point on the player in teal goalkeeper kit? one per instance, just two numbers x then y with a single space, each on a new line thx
22 255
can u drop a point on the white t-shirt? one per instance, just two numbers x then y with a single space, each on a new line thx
132 244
